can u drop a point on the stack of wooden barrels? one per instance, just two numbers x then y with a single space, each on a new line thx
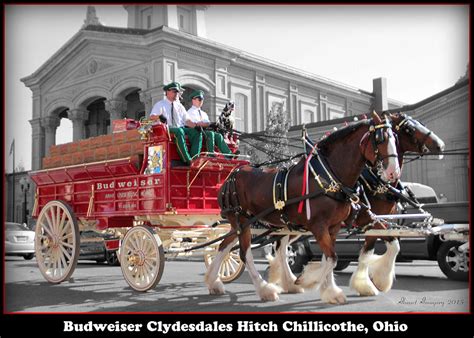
95 149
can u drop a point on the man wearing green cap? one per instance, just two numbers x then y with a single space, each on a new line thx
172 112
198 119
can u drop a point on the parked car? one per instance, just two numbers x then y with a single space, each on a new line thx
98 246
19 240
451 255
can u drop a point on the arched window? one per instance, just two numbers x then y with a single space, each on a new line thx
64 131
240 112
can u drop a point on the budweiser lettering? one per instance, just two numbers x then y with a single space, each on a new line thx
128 183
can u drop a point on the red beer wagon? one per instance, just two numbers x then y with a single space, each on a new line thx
130 183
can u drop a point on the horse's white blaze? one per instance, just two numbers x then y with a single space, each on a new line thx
392 172
382 269
360 281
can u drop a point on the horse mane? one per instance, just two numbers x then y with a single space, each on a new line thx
341 133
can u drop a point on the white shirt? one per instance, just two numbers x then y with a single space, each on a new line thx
194 116
163 107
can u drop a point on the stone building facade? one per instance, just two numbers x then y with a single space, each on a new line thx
106 73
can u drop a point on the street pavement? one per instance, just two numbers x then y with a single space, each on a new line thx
419 287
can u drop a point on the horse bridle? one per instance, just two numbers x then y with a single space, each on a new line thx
408 125
378 138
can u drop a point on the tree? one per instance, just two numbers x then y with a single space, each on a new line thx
274 145
20 167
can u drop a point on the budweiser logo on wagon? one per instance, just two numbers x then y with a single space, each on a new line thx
129 183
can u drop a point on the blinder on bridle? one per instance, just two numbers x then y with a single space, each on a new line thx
378 130
377 137
408 125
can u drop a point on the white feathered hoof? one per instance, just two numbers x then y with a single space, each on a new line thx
383 282
311 277
362 284
333 295
216 288
382 270
274 270
293 288
268 292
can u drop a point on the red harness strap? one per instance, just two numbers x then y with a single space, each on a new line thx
305 181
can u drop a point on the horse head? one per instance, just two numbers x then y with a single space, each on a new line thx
378 146
414 137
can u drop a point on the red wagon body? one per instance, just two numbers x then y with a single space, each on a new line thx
114 192
111 181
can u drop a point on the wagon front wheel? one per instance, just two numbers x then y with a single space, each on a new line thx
142 258
57 242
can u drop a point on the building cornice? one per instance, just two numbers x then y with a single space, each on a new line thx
202 46
432 98
241 58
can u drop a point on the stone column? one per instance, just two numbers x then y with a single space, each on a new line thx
380 94
115 107
145 98
50 124
78 116
37 144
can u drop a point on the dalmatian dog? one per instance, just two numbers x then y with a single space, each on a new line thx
225 121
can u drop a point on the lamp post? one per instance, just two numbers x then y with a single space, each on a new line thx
25 187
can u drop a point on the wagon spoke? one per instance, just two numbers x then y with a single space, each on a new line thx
150 249
58 211
140 241
67 245
152 258
47 229
50 223
147 246
67 236
63 263
56 265
134 242
137 276
61 223
148 264
53 218
233 260
65 253
66 227
227 268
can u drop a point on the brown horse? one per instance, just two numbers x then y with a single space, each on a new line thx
251 190
376 273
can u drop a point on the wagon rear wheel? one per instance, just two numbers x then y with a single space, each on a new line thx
231 268
57 242
142 258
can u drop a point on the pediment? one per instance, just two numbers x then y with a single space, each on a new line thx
91 68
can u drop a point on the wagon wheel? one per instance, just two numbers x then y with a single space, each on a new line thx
142 258
57 242
231 268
